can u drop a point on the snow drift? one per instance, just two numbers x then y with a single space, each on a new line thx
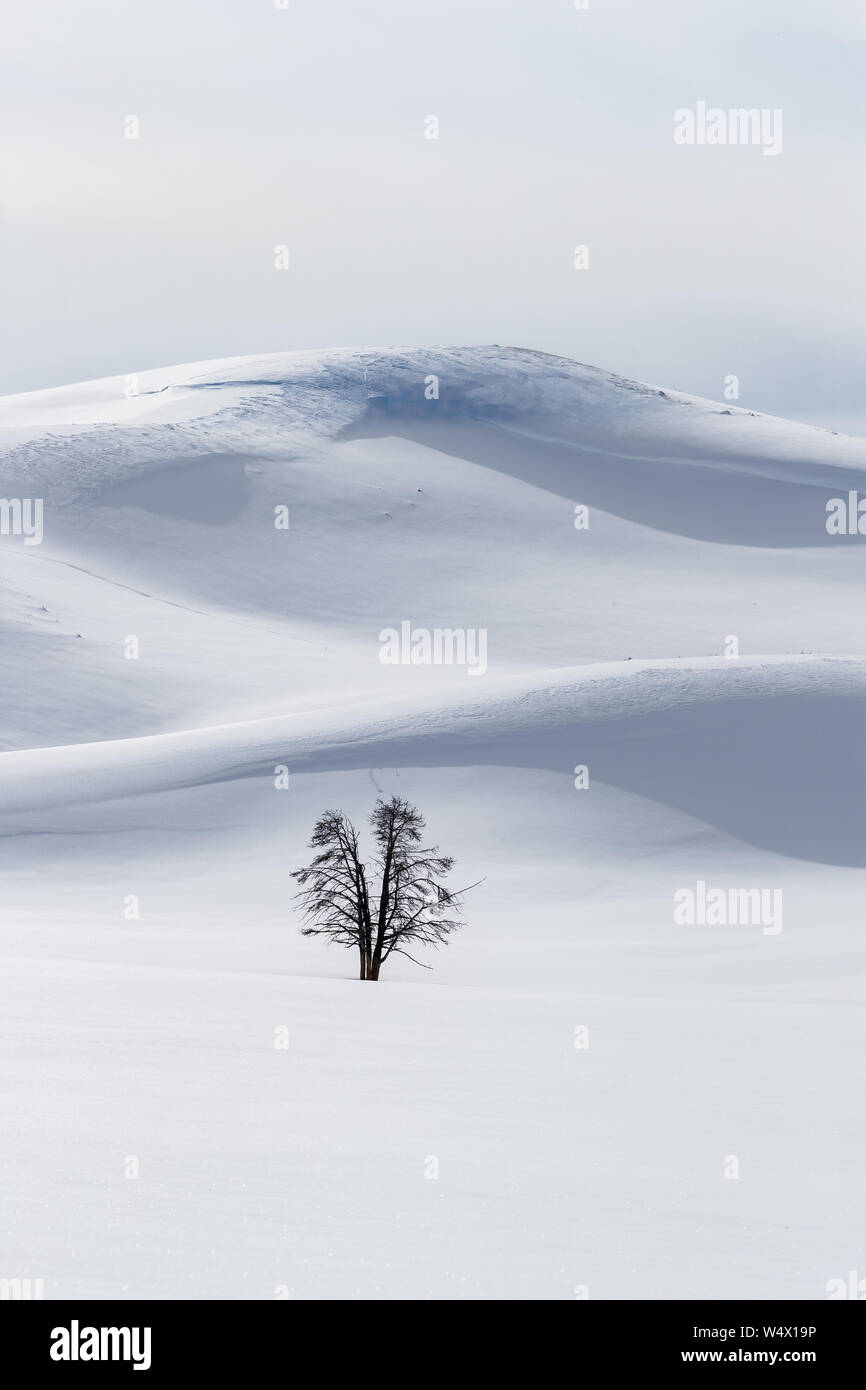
168 646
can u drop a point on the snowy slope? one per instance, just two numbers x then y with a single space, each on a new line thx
260 647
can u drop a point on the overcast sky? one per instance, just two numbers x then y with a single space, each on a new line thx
305 126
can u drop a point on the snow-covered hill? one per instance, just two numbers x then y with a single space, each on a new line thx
436 488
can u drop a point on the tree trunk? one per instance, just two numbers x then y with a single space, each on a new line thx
363 974
373 969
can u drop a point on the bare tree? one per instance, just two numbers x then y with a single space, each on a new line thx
334 898
411 902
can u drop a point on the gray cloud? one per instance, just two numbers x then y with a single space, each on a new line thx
306 127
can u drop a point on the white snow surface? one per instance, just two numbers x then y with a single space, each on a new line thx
304 1170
